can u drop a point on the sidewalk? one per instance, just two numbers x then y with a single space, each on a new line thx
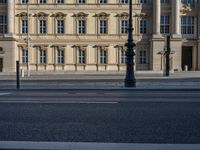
98 75
94 146
179 80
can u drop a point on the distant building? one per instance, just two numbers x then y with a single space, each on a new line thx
89 35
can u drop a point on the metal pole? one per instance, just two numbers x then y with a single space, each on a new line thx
17 75
130 75
28 62
168 56
197 63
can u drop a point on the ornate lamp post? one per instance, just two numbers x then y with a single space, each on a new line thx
130 75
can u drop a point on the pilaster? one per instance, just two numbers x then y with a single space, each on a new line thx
11 16
176 18
156 17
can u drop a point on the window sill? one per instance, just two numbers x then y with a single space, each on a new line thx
81 64
42 64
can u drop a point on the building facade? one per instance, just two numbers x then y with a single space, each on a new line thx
89 35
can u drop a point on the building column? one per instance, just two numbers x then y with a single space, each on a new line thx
11 16
198 56
156 16
176 18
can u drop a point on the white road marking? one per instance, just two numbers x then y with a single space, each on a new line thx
93 146
2 94
52 102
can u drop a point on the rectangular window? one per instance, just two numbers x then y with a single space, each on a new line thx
24 26
103 56
124 1
81 26
3 1
42 1
43 56
103 26
103 1
24 1
81 1
187 25
60 1
164 1
3 24
143 26
60 56
123 56
60 26
124 26
143 57
24 56
81 56
191 2
143 1
43 26
164 25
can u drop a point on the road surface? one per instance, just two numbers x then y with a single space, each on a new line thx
106 116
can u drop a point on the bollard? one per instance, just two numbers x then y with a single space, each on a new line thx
17 75
186 68
22 73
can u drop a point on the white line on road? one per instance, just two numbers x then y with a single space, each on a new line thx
93 146
2 94
52 102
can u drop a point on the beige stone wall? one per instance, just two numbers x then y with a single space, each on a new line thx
70 38
9 54
152 43
176 46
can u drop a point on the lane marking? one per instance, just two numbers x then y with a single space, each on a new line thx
54 102
2 94
91 146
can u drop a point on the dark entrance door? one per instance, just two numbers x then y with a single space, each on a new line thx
187 57
1 64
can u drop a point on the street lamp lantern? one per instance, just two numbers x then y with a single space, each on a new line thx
130 80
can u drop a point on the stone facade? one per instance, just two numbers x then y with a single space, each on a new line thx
91 50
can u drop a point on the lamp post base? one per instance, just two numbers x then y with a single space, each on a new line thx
130 83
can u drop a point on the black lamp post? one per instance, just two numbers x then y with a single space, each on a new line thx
167 53
130 75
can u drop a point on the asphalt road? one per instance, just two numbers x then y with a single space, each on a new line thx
117 116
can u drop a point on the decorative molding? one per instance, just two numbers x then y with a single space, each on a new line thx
102 15
59 15
102 46
56 45
41 15
186 8
42 46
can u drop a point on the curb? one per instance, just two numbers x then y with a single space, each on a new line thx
104 89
